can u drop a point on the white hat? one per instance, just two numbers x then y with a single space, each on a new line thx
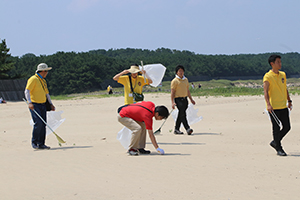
42 67
134 69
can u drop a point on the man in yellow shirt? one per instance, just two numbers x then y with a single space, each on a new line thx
137 82
179 93
36 92
276 96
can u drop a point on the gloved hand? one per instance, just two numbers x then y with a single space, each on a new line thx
161 151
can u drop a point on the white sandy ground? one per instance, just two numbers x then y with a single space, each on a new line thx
228 157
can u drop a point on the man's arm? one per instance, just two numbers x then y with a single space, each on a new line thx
266 95
153 140
27 96
173 98
290 106
49 99
116 77
190 97
149 79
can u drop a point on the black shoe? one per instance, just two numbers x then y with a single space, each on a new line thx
189 131
35 146
43 147
133 152
143 151
177 132
273 144
281 152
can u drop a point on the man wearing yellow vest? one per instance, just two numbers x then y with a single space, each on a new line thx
36 92
276 97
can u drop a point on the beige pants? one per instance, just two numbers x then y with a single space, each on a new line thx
138 139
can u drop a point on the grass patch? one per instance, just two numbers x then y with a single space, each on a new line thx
294 90
98 94
225 88
227 91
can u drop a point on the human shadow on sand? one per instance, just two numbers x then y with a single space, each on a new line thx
166 154
71 147
193 134
295 154
179 143
206 134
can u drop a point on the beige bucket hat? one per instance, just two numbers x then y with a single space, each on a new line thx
42 67
134 69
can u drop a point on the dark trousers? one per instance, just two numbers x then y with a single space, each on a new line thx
39 127
182 105
283 116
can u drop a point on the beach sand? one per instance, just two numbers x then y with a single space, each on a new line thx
227 157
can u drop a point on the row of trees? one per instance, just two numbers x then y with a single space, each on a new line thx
84 71
207 65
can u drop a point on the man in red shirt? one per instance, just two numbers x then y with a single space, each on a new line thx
138 117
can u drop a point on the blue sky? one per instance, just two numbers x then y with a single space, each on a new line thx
43 27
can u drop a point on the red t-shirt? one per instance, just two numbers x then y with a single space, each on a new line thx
138 113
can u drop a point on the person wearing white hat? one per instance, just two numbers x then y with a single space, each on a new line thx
36 93
137 82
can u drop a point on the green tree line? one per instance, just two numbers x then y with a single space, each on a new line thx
84 71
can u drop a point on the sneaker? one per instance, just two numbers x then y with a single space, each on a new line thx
281 152
35 146
189 131
177 132
43 147
143 151
133 152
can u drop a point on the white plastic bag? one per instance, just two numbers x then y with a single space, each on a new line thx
156 72
191 115
124 136
54 120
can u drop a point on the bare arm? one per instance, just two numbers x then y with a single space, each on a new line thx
152 138
149 79
290 106
190 97
117 76
266 95
173 98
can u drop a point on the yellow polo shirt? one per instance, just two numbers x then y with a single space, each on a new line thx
277 89
137 85
37 92
180 86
